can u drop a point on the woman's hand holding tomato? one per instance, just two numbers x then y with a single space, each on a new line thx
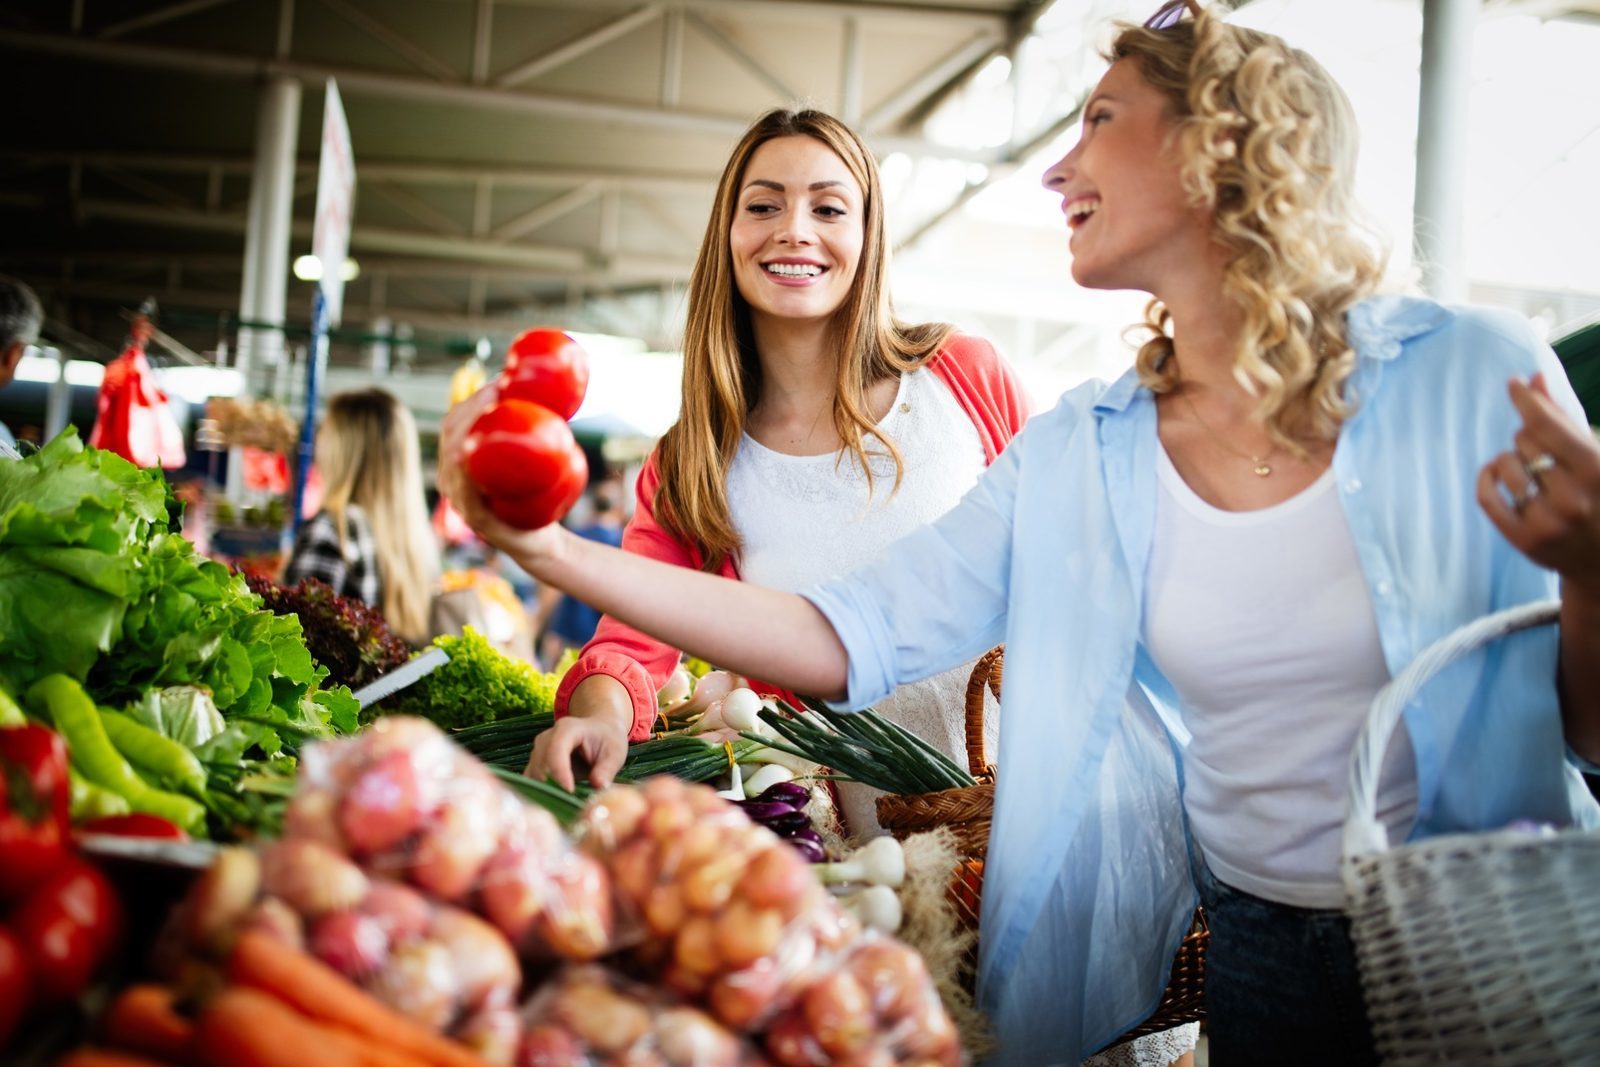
526 546
524 459
508 461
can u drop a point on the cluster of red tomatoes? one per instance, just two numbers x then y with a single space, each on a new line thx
62 917
520 452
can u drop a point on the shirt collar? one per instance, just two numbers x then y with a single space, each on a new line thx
1377 328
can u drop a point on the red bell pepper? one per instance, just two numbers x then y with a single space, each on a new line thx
33 807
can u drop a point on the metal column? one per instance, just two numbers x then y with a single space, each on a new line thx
1438 211
262 295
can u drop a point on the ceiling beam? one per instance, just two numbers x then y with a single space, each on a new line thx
578 46
354 81
419 172
908 13
720 37
397 43
974 50
157 17
558 260
547 212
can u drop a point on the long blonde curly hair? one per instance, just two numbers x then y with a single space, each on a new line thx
722 370
1269 140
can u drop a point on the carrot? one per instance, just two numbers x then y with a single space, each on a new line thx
249 1028
142 1019
319 992
101 1057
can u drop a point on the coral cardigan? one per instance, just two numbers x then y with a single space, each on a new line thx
987 391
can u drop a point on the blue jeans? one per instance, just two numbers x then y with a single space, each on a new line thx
1281 983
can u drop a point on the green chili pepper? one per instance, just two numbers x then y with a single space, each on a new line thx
78 721
10 713
89 801
155 755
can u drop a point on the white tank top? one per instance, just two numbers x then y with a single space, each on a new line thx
1262 622
805 519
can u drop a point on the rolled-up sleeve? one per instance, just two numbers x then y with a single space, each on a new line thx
936 598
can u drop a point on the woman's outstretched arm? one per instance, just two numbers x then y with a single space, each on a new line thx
758 632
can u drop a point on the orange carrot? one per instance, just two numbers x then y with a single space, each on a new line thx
249 1028
319 992
100 1057
142 1019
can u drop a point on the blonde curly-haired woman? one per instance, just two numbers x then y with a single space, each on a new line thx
1205 571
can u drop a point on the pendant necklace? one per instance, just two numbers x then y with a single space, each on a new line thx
1259 465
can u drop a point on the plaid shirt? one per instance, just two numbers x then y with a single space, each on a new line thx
352 573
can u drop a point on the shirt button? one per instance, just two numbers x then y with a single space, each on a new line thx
1353 485
1384 588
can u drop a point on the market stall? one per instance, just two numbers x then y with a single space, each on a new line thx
217 853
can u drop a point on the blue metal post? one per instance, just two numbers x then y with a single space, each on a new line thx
308 426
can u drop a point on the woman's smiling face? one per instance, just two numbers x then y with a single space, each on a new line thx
797 230
1122 190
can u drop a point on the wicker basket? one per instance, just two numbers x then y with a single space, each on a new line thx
1479 948
968 812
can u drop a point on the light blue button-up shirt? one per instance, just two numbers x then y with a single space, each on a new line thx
1087 889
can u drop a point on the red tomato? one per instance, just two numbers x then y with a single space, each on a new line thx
33 806
541 509
524 459
136 824
68 927
547 367
16 984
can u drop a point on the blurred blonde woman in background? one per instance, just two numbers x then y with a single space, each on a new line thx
371 540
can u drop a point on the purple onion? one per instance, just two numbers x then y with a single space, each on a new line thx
762 811
789 792
811 850
785 824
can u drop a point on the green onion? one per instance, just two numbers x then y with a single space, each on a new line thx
563 805
865 747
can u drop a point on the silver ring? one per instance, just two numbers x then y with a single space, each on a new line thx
1536 466
1520 501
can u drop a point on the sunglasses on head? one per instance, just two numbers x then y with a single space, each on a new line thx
1170 14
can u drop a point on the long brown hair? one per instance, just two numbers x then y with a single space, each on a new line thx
368 455
1267 137
722 371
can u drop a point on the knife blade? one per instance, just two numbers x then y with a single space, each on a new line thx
402 676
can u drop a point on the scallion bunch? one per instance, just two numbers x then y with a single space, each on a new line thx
864 747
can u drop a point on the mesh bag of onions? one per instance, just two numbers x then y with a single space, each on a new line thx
404 802
588 1016
732 917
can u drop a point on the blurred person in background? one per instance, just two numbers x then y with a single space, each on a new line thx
566 621
372 539
20 319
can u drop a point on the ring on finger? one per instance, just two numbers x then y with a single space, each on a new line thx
1539 464
1530 493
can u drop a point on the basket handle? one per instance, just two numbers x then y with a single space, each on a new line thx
987 671
1363 833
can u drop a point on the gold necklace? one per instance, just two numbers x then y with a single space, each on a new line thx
1260 466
